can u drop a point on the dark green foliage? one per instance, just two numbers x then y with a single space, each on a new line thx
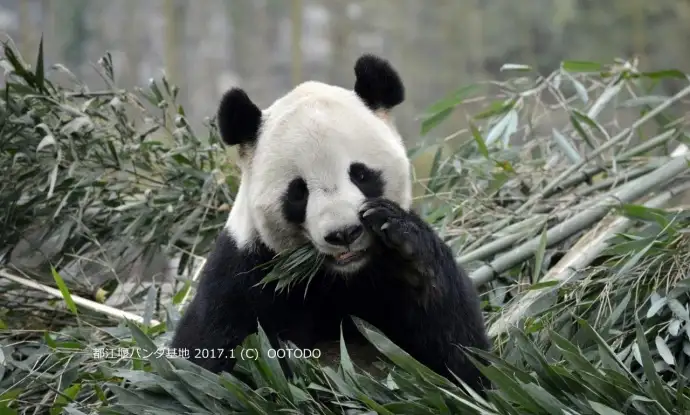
97 166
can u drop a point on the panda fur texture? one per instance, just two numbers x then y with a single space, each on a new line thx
325 165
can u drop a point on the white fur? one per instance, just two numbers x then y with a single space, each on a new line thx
315 132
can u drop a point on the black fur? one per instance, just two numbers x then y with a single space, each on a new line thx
239 119
377 83
369 181
412 290
294 201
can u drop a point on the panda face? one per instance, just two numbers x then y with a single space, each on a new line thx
313 167
316 155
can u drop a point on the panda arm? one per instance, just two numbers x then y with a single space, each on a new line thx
209 332
425 260
434 307
225 308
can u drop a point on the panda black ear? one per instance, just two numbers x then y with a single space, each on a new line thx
377 83
238 118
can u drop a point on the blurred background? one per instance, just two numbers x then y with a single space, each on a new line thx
267 46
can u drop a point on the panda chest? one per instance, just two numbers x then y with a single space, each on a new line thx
315 319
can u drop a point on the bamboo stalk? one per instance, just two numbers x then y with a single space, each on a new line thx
581 176
91 305
625 194
610 143
681 149
525 227
631 174
492 248
504 242
586 250
578 177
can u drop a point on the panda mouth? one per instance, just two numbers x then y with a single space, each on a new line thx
348 257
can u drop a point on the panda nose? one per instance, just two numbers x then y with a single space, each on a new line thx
344 236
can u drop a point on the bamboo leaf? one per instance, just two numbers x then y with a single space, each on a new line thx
657 303
479 140
664 351
582 66
567 148
64 291
444 108
656 385
40 71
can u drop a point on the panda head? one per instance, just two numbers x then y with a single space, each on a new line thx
311 159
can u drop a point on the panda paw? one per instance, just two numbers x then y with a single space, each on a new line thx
393 225
407 235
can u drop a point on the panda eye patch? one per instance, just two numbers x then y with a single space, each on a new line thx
368 180
359 173
295 201
297 191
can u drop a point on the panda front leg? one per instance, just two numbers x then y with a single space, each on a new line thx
224 312
406 234
208 332
445 313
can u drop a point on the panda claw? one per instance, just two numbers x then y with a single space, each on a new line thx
368 212
385 226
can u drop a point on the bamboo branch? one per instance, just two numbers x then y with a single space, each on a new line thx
586 250
581 176
625 177
510 235
91 305
525 227
491 248
681 149
610 143
625 194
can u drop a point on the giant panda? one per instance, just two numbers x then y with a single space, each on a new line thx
325 165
